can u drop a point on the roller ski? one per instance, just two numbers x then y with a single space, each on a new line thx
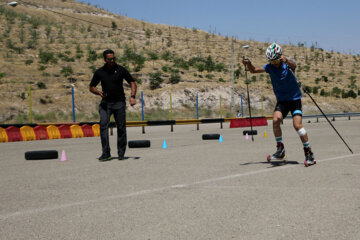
279 154
309 157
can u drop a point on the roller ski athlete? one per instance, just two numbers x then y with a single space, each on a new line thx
288 96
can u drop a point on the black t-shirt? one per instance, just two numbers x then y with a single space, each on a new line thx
112 81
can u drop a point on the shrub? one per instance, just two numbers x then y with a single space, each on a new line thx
93 68
92 56
41 85
351 94
175 78
336 91
152 56
315 90
148 33
306 68
155 80
324 78
308 89
28 62
166 56
46 57
41 68
181 63
22 96
114 25
43 101
209 76
66 71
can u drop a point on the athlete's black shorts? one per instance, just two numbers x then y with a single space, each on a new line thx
295 107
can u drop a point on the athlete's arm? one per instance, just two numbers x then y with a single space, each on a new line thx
289 62
251 67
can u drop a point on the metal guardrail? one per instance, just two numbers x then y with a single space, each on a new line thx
183 121
332 115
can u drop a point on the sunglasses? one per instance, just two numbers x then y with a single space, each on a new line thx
111 59
276 61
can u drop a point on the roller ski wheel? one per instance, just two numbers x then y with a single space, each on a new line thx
270 158
309 163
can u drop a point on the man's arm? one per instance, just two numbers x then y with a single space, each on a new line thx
289 62
95 91
133 93
247 63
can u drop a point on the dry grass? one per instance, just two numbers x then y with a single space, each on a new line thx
68 34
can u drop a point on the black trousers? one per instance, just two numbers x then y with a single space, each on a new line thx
117 108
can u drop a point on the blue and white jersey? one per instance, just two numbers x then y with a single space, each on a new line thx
285 85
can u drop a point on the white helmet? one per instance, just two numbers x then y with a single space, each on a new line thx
273 52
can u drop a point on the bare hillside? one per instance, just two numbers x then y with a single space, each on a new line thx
51 45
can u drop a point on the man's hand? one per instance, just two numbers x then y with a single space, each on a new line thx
132 101
102 94
246 62
283 59
97 92
290 63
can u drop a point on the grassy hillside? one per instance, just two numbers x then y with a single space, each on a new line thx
51 45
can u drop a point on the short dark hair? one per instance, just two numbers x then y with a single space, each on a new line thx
108 51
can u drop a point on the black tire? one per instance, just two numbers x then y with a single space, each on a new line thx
41 155
139 144
249 132
211 136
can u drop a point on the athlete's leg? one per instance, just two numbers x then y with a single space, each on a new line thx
297 122
277 120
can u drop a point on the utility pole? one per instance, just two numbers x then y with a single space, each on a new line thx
232 105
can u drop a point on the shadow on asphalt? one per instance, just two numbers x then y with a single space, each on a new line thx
125 158
272 163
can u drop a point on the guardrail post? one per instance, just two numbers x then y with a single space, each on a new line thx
197 109
142 111
171 114
221 125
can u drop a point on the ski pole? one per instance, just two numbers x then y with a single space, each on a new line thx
325 116
252 133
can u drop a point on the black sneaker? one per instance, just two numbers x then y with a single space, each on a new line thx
121 157
309 157
104 157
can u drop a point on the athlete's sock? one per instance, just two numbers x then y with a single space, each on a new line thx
279 139
306 145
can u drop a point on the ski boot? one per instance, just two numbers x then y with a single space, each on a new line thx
309 157
279 154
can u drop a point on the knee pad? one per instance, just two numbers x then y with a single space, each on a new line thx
302 132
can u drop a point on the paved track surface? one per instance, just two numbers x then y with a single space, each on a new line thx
194 189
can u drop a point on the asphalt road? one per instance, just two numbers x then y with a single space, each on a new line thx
194 189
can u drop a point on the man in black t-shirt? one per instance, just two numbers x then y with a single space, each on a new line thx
111 77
